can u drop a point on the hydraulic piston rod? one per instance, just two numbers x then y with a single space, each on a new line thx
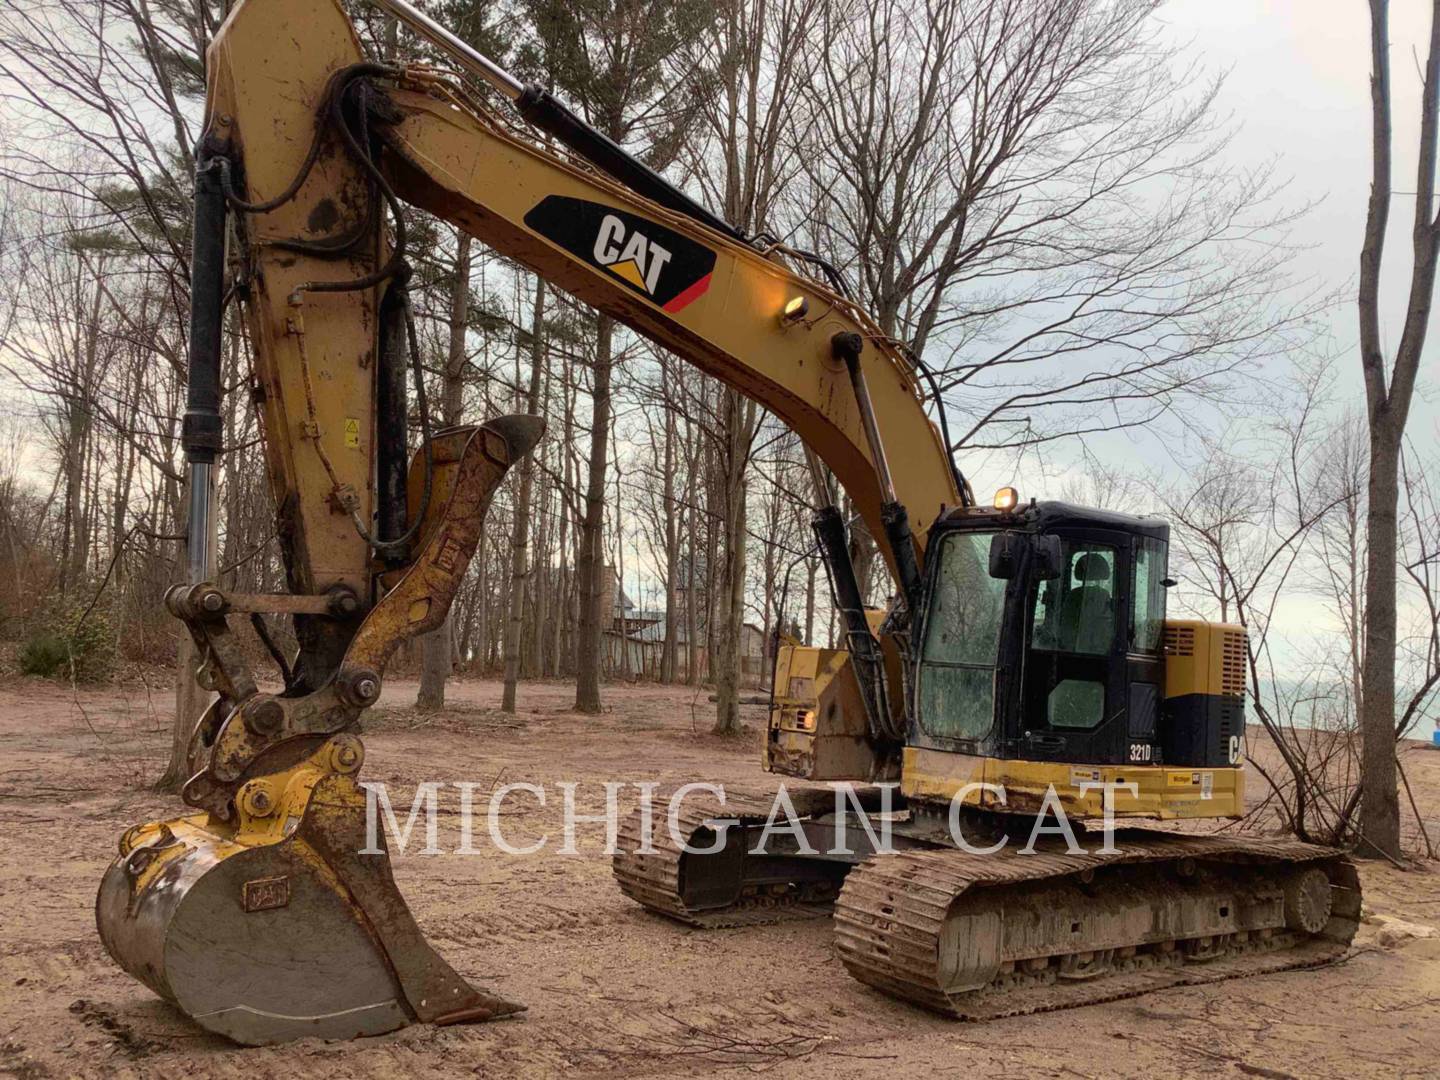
201 429
893 516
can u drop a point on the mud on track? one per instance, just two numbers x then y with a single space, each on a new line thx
612 991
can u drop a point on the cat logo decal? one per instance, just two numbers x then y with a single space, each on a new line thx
668 269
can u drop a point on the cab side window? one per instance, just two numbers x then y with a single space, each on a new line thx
1151 569
1075 613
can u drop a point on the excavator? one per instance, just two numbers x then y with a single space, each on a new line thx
1025 665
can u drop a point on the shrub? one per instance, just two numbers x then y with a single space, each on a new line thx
68 647
44 654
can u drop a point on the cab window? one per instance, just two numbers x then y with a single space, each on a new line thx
1151 569
956 693
1075 612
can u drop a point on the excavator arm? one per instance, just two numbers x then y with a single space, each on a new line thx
269 913
682 279
309 153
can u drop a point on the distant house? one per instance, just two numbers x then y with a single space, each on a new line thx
643 644
753 653
648 641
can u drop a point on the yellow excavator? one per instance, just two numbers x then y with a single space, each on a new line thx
1025 666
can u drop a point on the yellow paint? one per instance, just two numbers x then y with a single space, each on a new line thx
1204 658
733 334
938 776
267 70
817 727
290 791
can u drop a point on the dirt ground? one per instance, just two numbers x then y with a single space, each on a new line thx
613 991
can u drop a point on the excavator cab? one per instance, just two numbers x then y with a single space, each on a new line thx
1042 636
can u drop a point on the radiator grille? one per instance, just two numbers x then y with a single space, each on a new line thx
1232 663
1179 641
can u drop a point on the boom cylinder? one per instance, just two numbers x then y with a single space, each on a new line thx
546 112
201 429
860 643
391 414
893 516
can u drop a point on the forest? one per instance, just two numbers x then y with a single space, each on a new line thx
1035 197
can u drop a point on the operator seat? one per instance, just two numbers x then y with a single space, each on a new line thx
1087 616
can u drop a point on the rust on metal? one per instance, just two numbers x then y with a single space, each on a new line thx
334 826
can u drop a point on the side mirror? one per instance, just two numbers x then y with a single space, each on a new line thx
1049 560
1005 550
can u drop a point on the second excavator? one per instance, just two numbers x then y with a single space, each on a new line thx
1025 666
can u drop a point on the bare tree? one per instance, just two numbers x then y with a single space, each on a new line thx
1389 388
752 49
610 57
520 531
1244 518
437 647
1271 517
1031 195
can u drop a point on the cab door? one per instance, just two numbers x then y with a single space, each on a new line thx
1144 657
956 683
1075 686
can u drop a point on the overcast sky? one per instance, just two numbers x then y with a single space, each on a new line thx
1298 86
1297 90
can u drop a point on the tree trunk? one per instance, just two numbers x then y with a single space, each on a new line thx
692 632
626 671
535 660
434 668
520 531
436 646
732 611
1379 797
739 419
672 550
810 602
1387 408
591 578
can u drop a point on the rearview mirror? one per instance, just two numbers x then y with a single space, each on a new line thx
1049 560
1005 554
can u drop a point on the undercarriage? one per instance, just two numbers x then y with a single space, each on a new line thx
1030 926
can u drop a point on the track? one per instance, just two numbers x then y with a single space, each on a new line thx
979 937
655 880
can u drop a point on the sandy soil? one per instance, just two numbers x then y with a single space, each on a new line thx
613 991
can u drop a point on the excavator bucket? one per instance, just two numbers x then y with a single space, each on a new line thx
273 913
281 928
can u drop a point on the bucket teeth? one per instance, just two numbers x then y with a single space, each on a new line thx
262 918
